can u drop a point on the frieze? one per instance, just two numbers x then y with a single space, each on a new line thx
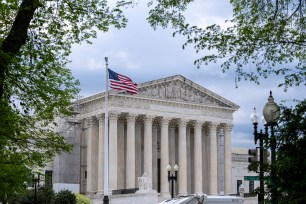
129 103
205 112
91 106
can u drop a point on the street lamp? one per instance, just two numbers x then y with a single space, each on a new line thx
271 113
241 191
172 177
36 180
258 136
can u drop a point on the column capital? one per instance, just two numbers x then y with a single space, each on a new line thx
131 117
228 127
113 116
198 123
183 122
165 121
213 124
90 121
148 119
100 118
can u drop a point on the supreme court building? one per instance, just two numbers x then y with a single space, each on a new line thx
170 121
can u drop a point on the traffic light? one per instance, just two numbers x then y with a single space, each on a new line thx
266 156
253 159
254 155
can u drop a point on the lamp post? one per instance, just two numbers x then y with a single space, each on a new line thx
172 177
241 191
259 136
36 180
271 113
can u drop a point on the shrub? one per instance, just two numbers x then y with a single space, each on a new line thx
65 197
44 195
81 199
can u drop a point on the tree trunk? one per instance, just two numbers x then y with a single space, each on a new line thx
16 37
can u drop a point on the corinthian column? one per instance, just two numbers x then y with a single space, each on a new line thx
101 119
154 156
182 174
130 152
198 166
227 159
213 151
164 157
113 149
148 146
92 158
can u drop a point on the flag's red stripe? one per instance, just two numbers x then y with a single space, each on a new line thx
128 90
116 83
123 87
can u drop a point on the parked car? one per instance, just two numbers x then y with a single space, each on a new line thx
204 199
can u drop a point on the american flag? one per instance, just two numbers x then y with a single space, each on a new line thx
120 82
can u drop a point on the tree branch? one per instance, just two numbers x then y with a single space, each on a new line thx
300 4
16 37
18 33
276 9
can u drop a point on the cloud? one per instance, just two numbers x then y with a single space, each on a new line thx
205 13
144 54
94 64
242 139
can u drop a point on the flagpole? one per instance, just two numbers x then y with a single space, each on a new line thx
106 199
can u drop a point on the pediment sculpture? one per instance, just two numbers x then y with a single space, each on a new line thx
179 91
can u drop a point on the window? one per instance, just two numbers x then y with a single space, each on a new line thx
239 182
48 178
251 186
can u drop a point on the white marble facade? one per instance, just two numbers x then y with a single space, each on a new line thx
170 121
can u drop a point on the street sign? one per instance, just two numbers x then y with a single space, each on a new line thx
251 178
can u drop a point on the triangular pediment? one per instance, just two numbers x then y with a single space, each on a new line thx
178 88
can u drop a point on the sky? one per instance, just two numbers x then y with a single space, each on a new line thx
145 54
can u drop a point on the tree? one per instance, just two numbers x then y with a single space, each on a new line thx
65 197
290 164
14 177
264 38
35 85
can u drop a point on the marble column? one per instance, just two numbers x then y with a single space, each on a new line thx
92 157
227 159
213 160
189 152
172 146
101 119
148 146
154 155
130 152
121 154
138 151
198 166
113 148
89 123
164 159
182 157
